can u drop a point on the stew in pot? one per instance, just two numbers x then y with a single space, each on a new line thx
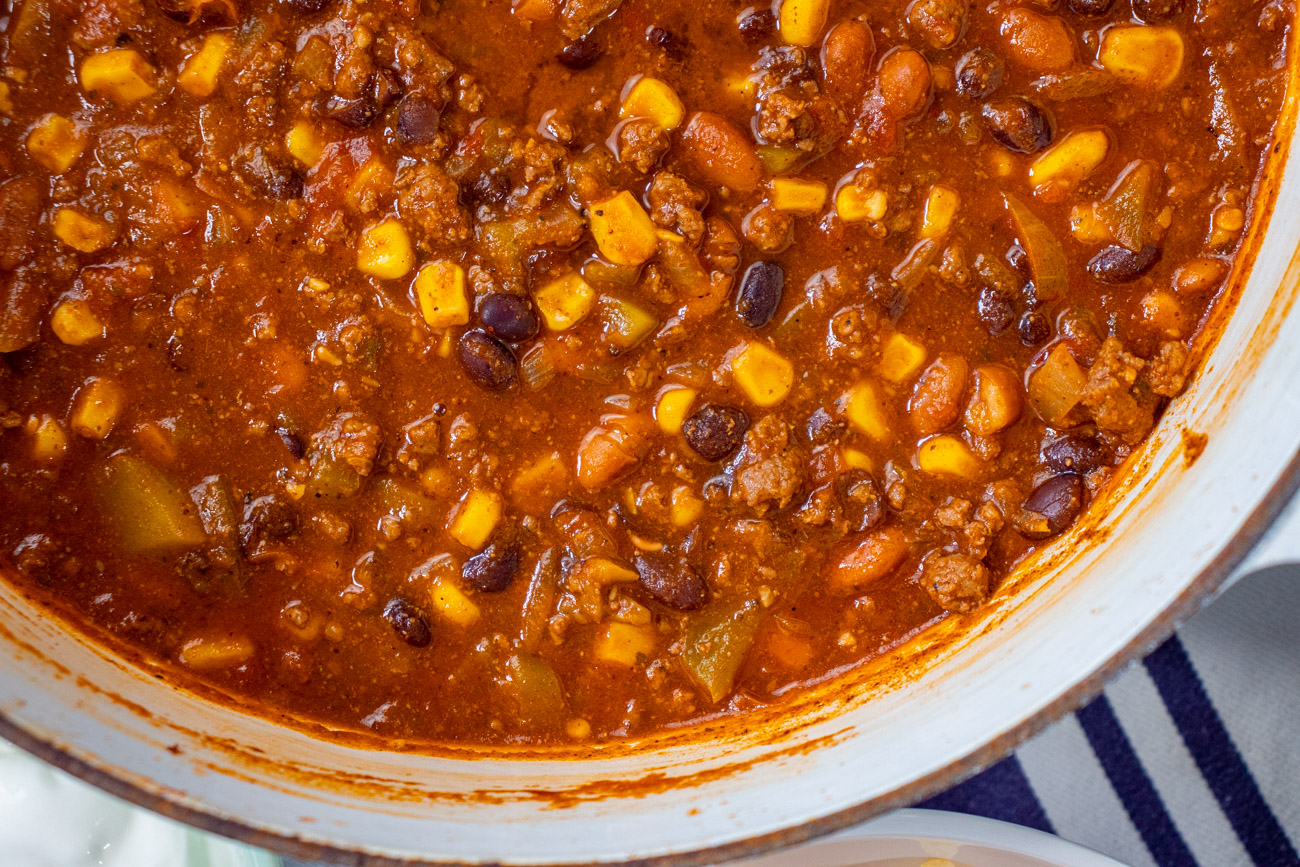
554 370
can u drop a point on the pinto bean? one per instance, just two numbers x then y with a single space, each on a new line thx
904 82
936 400
671 580
940 22
1040 43
1017 124
721 153
861 560
847 54
996 402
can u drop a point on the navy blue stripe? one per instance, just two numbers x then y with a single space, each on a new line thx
1130 781
1216 756
998 792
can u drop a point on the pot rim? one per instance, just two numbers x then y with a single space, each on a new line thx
1198 592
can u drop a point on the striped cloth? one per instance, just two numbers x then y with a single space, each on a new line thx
1191 758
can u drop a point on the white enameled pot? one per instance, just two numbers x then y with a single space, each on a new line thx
958 698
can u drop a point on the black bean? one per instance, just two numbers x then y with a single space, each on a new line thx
1017 124
1073 453
266 520
864 506
670 580
1018 259
489 188
759 293
672 44
408 621
822 427
756 24
509 317
995 310
1034 327
581 53
1090 8
292 442
1155 11
266 175
488 361
492 569
418 116
357 113
979 73
714 431
1052 506
1115 264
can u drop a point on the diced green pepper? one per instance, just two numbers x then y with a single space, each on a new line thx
536 688
717 642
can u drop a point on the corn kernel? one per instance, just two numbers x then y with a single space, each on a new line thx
214 652
901 357
304 143
1087 226
852 205
624 644
49 439
742 86
548 473
475 518
801 21
778 160
653 100
372 180
684 507
440 291
940 210
83 232
452 603
385 250
999 162
671 408
175 204
623 230
764 376
121 73
864 407
795 196
96 408
946 455
75 323
55 143
199 75
626 324
535 10
859 460
1065 164
1142 55
565 301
